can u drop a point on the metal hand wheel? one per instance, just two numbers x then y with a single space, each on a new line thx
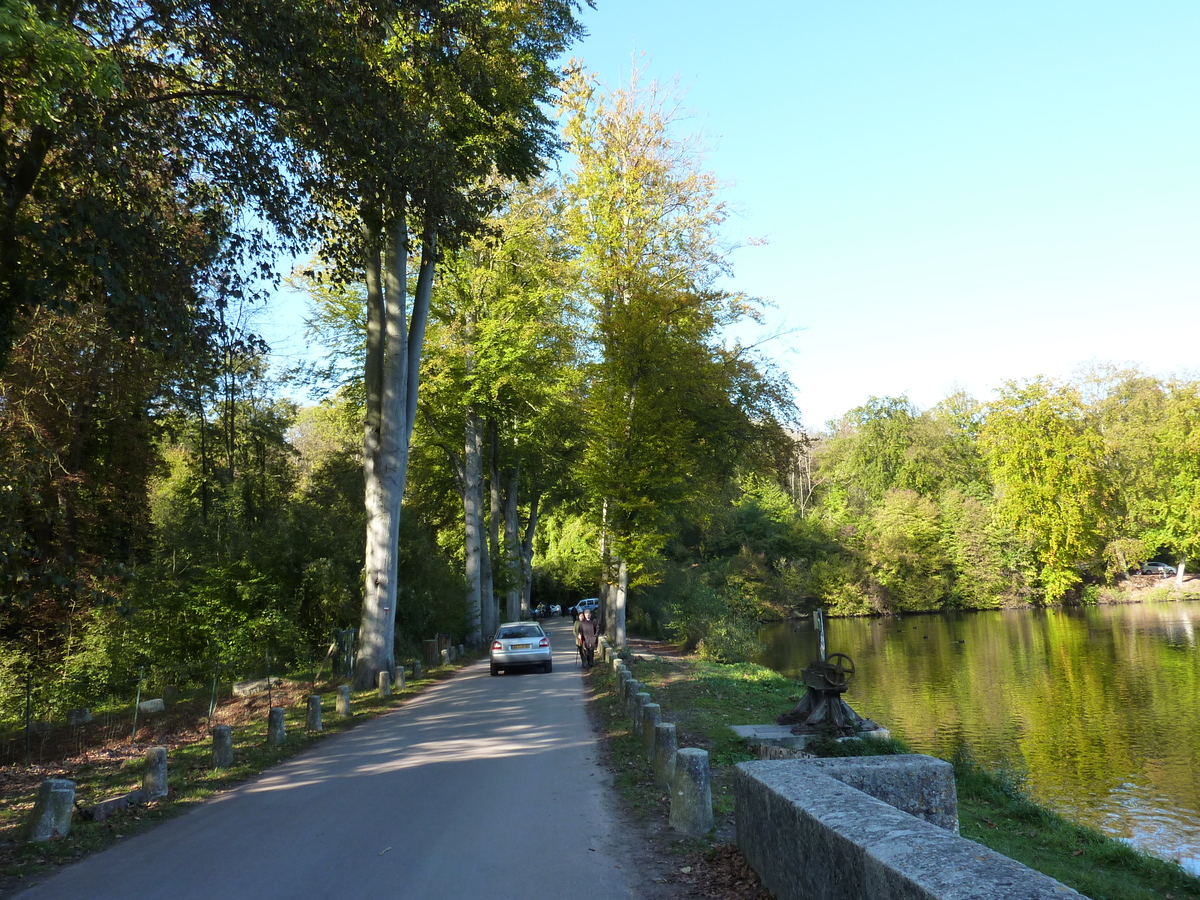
839 669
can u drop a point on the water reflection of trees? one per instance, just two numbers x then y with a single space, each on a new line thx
1097 705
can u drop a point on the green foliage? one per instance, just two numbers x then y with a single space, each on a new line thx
1047 465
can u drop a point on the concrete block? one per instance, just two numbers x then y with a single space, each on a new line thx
691 793
665 747
343 701
276 731
651 718
809 835
79 716
312 717
399 678
417 670
222 750
462 651
920 785
445 657
154 777
149 707
385 684
254 686
51 816
98 812
781 736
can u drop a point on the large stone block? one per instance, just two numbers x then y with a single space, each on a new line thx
51 816
809 835
920 785
691 793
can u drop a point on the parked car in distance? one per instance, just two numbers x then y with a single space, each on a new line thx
591 603
1157 568
521 644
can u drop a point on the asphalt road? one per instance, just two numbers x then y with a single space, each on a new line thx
480 787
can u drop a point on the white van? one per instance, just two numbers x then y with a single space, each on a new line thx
592 603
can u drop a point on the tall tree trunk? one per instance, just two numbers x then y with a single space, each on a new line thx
494 514
487 582
527 550
393 360
477 614
621 594
1181 569
512 542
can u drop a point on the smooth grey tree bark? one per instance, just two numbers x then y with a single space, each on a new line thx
392 376
473 523
512 542
527 550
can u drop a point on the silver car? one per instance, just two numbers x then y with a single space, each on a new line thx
521 644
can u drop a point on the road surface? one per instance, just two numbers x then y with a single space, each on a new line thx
480 787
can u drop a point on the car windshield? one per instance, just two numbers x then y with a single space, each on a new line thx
521 631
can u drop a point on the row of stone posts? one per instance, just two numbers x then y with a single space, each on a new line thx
51 816
684 772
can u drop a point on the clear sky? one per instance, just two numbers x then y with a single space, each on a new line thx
954 193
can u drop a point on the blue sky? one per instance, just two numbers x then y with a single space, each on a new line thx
953 194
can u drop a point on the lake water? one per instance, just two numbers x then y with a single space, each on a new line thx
1098 707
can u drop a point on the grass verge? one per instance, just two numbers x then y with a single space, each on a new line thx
703 699
110 771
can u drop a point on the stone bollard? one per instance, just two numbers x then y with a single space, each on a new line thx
631 691
343 701
51 816
222 757
399 678
445 657
154 778
462 651
417 670
639 703
312 720
651 719
623 681
617 664
275 729
665 747
385 684
691 793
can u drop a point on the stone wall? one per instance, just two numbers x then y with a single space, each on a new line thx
811 836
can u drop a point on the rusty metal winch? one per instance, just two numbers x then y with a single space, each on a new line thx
822 708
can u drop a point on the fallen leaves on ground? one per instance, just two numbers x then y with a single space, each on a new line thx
720 874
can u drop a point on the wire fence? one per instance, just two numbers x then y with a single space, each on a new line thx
47 715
